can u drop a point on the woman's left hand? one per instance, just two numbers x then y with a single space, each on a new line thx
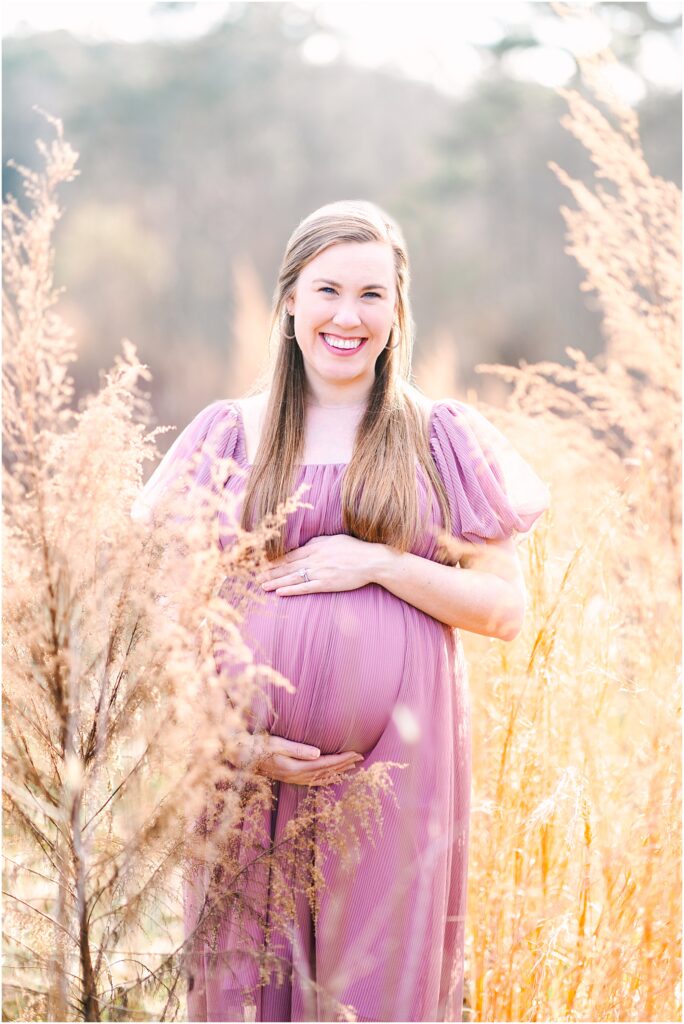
334 563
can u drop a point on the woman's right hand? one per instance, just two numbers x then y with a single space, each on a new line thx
296 763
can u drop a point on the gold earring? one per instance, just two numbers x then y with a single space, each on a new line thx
396 344
290 337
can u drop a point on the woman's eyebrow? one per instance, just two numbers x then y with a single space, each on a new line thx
336 284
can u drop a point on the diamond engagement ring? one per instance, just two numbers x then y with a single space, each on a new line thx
304 573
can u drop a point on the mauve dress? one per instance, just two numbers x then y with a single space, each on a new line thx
379 676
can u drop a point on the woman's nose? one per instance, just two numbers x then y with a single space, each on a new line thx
346 318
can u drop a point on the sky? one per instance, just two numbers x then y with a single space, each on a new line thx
438 43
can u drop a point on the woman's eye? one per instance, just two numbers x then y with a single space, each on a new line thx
327 288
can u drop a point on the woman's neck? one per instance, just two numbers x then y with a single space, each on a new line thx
336 405
323 395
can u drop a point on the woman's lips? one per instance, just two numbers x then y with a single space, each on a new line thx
342 351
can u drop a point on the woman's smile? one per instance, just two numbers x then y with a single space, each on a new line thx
341 346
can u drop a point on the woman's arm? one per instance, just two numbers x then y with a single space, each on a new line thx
484 594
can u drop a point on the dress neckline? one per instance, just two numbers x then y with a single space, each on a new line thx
301 465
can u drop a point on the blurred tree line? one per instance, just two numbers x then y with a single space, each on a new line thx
199 158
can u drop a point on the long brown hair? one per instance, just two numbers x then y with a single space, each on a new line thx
379 493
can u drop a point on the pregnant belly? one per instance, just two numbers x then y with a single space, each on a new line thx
343 652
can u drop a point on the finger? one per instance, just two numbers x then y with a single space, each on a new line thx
279 571
293 749
338 769
297 767
292 589
283 563
318 779
281 578
264 765
301 771
330 760
332 775
296 555
270 569
295 585
275 766
291 556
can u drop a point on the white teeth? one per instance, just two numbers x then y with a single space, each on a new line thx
340 343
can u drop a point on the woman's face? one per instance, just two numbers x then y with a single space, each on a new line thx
347 293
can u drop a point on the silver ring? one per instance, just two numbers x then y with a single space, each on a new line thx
304 573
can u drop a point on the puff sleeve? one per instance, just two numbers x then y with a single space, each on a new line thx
212 434
493 492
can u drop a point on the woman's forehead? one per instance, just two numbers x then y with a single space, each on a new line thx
353 262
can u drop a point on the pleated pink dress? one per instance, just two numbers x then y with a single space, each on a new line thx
379 676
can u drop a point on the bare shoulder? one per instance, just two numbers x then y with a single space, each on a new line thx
252 409
252 405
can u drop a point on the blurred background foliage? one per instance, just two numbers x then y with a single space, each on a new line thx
200 154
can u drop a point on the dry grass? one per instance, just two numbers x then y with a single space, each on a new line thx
119 732
574 906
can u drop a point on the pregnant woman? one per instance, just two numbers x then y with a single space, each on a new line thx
361 613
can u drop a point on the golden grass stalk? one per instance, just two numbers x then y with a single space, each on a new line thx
575 872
